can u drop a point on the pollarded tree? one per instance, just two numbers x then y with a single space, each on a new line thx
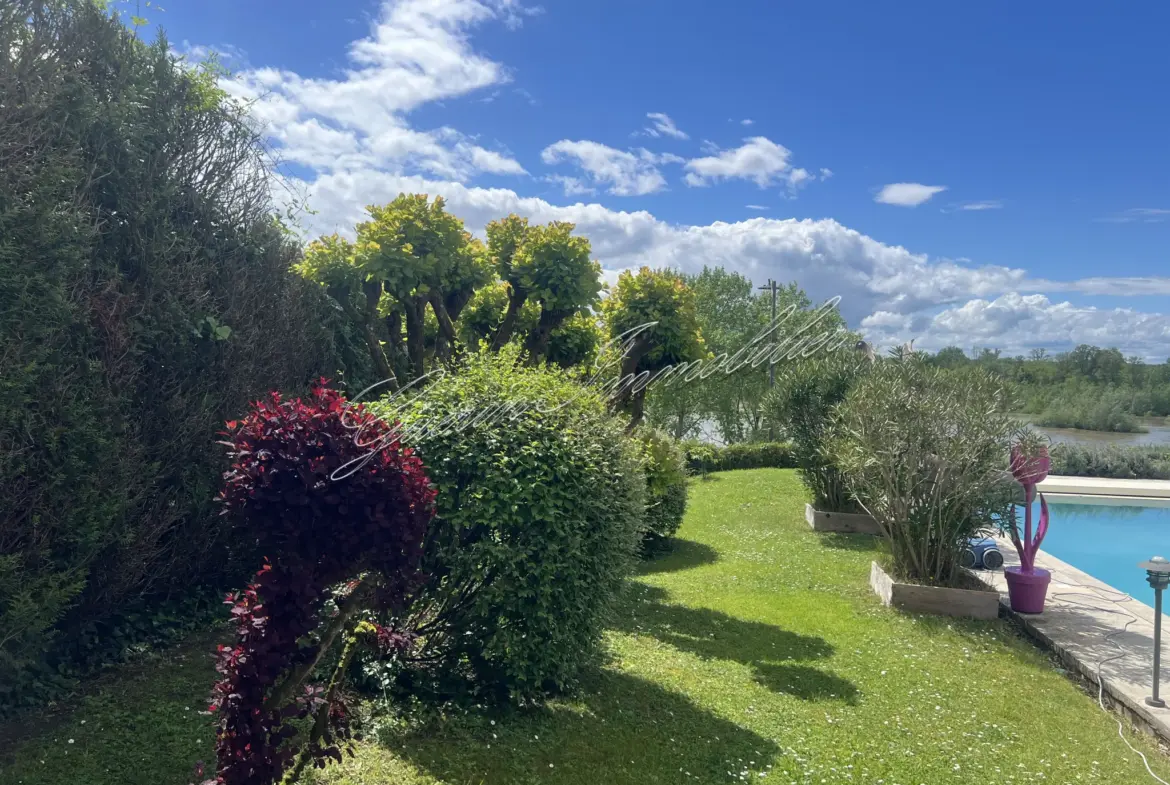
559 274
484 315
331 262
663 298
546 264
421 255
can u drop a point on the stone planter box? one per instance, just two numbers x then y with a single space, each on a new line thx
842 522
933 599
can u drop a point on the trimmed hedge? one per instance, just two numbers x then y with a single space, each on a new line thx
666 486
1111 461
540 514
702 457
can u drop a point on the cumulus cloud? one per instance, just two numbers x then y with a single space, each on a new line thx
891 293
417 52
758 159
1017 323
623 173
352 134
662 125
907 194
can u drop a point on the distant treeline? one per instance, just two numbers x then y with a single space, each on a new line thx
1089 387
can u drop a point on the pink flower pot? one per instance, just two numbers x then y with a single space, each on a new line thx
1027 588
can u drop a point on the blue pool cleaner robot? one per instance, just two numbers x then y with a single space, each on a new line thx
983 554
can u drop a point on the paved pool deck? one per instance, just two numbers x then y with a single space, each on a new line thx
1099 486
1097 631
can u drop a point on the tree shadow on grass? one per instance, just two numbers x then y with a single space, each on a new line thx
806 683
715 635
620 729
683 555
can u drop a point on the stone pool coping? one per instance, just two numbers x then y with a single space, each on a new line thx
1103 486
1083 618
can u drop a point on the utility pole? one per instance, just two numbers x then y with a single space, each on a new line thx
771 285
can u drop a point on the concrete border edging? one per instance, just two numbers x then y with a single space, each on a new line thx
937 600
840 522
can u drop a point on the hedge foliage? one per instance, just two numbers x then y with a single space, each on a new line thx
702 457
539 518
666 486
801 405
1112 461
144 297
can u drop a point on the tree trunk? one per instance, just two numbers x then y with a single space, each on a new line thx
373 293
415 307
516 301
632 403
538 339
637 409
393 322
456 301
447 340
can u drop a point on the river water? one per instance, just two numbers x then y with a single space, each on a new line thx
1158 434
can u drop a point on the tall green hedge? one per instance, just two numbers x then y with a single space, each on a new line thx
702 457
144 298
666 486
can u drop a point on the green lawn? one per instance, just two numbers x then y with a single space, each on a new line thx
754 651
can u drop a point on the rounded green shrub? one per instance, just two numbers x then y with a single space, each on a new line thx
539 518
666 486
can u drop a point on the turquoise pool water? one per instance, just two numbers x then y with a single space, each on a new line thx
1107 541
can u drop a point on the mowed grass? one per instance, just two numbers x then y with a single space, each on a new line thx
754 651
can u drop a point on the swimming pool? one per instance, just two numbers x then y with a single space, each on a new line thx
1107 540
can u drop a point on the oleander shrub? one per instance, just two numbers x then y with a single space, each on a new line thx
329 498
1112 461
144 298
801 405
539 518
925 451
702 457
666 486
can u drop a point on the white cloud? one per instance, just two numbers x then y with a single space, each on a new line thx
892 294
1140 214
1017 323
573 186
756 206
417 52
353 132
907 194
987 204
826 173
662 125
759 159
746 121
227 55
626 173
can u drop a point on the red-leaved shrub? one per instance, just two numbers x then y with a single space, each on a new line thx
363 532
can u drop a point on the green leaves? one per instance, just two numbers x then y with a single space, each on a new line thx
539 518
926 450
663 297
666 486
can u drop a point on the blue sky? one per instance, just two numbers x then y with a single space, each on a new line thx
984 174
